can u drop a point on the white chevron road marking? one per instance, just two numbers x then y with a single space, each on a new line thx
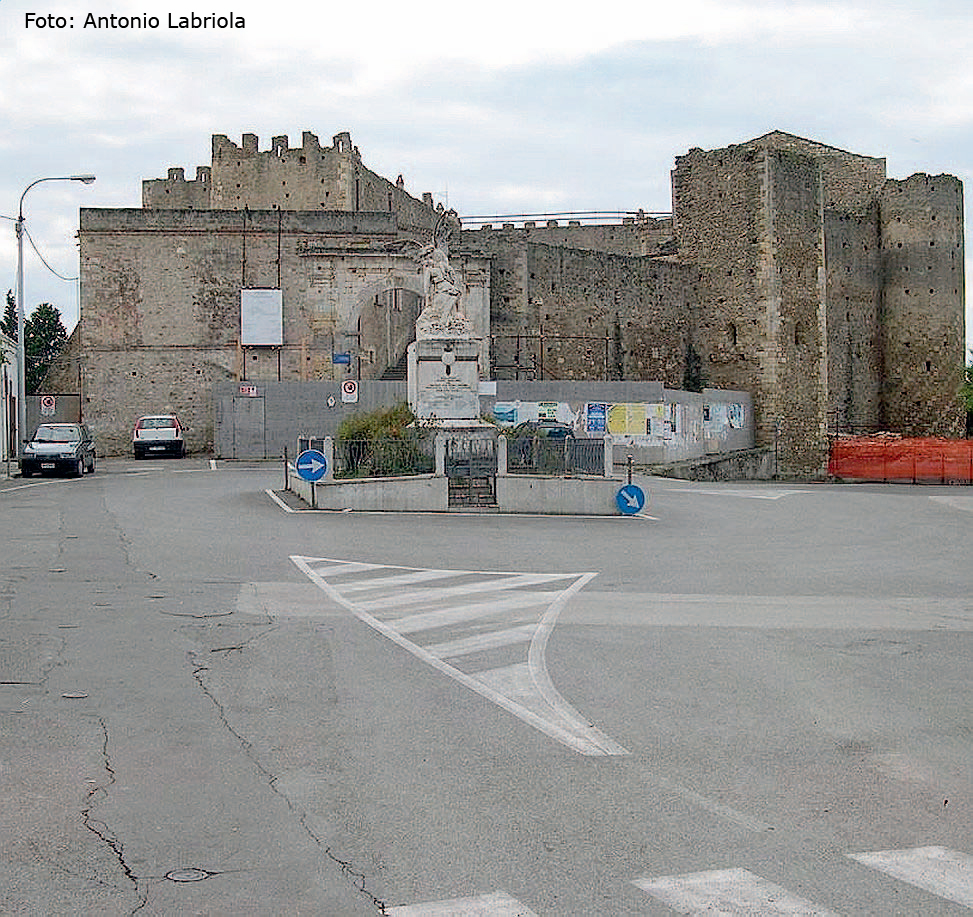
470 612
468 645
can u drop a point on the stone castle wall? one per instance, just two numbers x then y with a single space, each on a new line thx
789 269
161 305
306 178
570 313
854 290
923 304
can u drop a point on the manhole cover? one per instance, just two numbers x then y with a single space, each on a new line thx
188 875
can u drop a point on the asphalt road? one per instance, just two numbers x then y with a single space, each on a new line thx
752 699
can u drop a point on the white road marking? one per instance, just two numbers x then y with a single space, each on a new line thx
457 614
945 873
421 596
489 641
729 892
961 503
734 816
385 582
279 502
749 494
488 598
499 904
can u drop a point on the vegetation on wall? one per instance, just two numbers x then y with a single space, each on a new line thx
693 380
966 396
966 389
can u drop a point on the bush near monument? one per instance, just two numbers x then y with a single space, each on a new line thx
382 443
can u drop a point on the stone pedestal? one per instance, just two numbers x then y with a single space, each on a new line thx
444 380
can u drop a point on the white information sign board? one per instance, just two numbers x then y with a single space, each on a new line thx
261 318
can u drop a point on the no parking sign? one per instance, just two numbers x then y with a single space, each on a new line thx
349 391
48 405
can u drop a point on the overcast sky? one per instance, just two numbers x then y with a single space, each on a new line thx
515 106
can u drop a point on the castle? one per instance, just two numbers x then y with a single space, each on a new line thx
789 269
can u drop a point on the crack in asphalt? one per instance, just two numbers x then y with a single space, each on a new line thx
101 830
359 879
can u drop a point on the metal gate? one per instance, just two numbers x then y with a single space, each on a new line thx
471 467
249 428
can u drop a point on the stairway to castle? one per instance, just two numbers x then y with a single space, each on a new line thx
398 371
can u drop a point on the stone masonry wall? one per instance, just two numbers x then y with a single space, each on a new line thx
564 313
849 181
642 235
715 197
751 218
793 271
160 307
855 365
308 177
789 269
923 304
176 193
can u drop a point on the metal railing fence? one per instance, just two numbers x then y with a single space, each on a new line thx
568 456
383 457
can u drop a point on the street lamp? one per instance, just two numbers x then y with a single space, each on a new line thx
21 353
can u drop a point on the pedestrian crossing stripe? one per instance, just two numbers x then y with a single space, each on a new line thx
728 891
947 874
499 904
454 619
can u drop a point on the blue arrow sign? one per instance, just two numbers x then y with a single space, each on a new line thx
311 465
630 499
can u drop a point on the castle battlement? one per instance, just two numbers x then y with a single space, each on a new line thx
280 146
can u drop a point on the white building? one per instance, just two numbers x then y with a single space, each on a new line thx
8 398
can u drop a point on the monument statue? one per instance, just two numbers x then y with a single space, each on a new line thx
444 369
442 316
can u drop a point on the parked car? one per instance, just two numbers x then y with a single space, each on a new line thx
158 434
543 429
64 447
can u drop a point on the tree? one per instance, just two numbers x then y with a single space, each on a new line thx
9 324
44 339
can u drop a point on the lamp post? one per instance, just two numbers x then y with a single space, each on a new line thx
21 352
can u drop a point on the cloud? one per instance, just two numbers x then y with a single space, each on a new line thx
533 107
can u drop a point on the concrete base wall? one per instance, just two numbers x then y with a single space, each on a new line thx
567 496
749 465
422 493
430 493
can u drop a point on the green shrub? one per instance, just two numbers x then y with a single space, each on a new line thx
382 443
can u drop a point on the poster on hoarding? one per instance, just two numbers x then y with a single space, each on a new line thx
596 417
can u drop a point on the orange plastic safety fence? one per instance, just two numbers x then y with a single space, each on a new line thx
900 460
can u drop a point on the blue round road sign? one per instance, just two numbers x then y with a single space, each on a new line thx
630 499
311 465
